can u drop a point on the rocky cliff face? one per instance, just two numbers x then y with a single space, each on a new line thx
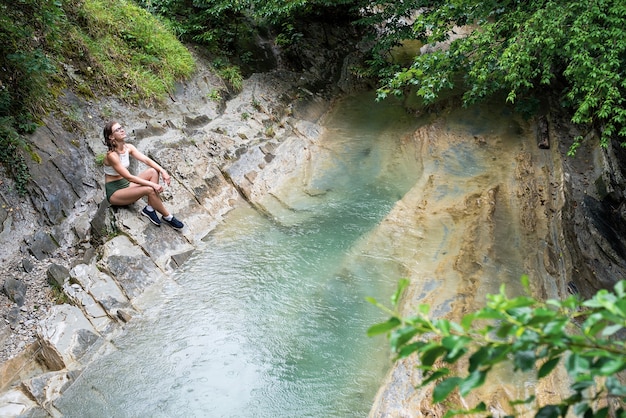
568 220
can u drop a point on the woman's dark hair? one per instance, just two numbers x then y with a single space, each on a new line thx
107 132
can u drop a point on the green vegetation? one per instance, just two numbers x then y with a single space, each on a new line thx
581 336
220 25
132 54
230 74
58 295
524 49
574 51
94 47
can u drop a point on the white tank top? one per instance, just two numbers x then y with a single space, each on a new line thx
124 159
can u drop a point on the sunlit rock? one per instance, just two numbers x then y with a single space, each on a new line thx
66 335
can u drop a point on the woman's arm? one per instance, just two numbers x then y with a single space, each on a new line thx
139 156
113 159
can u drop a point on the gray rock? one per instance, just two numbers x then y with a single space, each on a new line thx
57 181
179 259
27 265
66 336
148 131
15 290
13 316
57 275
196 122
124 316
101 286
82 226
15 403
103 223
41 245
129 265
5 332
47 387
92 308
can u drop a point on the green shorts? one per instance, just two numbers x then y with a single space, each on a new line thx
113 186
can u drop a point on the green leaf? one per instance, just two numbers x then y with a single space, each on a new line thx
409 349
582 384
611 329
581 408
612 366
530 399
435 375
488 314
474 380
481 407
480 357
548 411
402 284
456 346
620 289
443 389
372 300
602 413
383 327
576 364
615 387
401 336
429 356
525 283
524 360
444 326
467 321
547 367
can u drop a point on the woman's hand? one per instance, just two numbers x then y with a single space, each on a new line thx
157 187
166 177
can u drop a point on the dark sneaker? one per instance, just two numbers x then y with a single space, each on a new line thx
174 223
154 218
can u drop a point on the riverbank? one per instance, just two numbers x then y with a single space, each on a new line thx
103 260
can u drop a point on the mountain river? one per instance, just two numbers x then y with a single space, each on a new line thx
269 318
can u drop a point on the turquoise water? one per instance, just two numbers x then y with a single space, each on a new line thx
269 319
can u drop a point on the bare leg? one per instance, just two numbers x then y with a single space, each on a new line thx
154 199
135 191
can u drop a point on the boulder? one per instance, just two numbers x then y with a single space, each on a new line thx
41 245
57 275
48 387
15 290
101 287
14 403
103 223
133 270
66 336
196 122
92 309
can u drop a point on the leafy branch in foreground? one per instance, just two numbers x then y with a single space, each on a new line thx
533 335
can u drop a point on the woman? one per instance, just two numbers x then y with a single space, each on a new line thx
123 188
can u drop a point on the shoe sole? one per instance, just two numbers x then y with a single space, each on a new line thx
172 226
149 218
